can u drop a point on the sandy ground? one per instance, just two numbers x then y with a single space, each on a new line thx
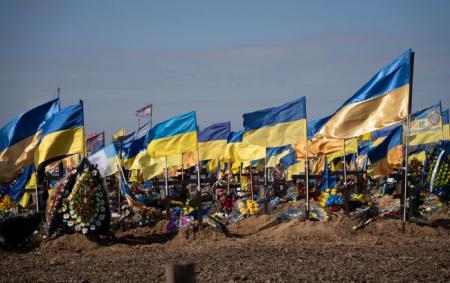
258 249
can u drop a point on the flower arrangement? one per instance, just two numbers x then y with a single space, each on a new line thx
86 208
6 203
330 198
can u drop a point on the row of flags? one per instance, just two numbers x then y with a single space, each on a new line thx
367 126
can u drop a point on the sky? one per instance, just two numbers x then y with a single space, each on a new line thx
219 58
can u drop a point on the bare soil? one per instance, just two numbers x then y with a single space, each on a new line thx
258 249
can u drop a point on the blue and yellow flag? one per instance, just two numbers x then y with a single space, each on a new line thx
426 127
274 155
106 160
445 126
62 135
380 103
238 150
19 139
277 126
212 141
388 155
319 146
16 189
174 136
292 165
134 149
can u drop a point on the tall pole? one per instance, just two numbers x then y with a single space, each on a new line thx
199 192
251 180
228 178
408 126
166 181
346 191
307 178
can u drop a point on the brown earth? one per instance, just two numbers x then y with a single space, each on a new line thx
258 249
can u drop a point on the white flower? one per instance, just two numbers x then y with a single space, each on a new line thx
102 208
84 230
92 227
79 220
102 202
77 228
66 216
98 223
101 217
70 223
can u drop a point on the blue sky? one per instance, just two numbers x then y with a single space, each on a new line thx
220 58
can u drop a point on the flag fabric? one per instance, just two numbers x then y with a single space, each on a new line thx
239 150
156 166
145 111
19 139
118 134
274 155
318 146
445 126
292 165
328 180
351 146
388 155
133 148
94 142
425 127
381 102
212 141
174 136
16 188
277 126
106 160
62 135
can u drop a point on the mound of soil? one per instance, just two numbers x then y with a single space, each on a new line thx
158 228
73 243
252 224
192 234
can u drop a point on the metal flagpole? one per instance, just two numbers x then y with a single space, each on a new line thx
166 181
199 192
346 193
251 180
307 178
408 125
408 131
228 177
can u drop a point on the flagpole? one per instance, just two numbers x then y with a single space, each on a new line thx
199 192
166 181
228 178
251 180
307 178
346 196
266 202
408 126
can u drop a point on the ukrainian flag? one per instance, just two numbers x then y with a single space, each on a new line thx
274 155
174 136
16 189
106 159
277 126
388 155
425 127
292 165
62 135
238 150
212 141
445 125
157 165
318 146
380 103
19 138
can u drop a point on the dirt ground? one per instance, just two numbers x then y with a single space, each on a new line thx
258 249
